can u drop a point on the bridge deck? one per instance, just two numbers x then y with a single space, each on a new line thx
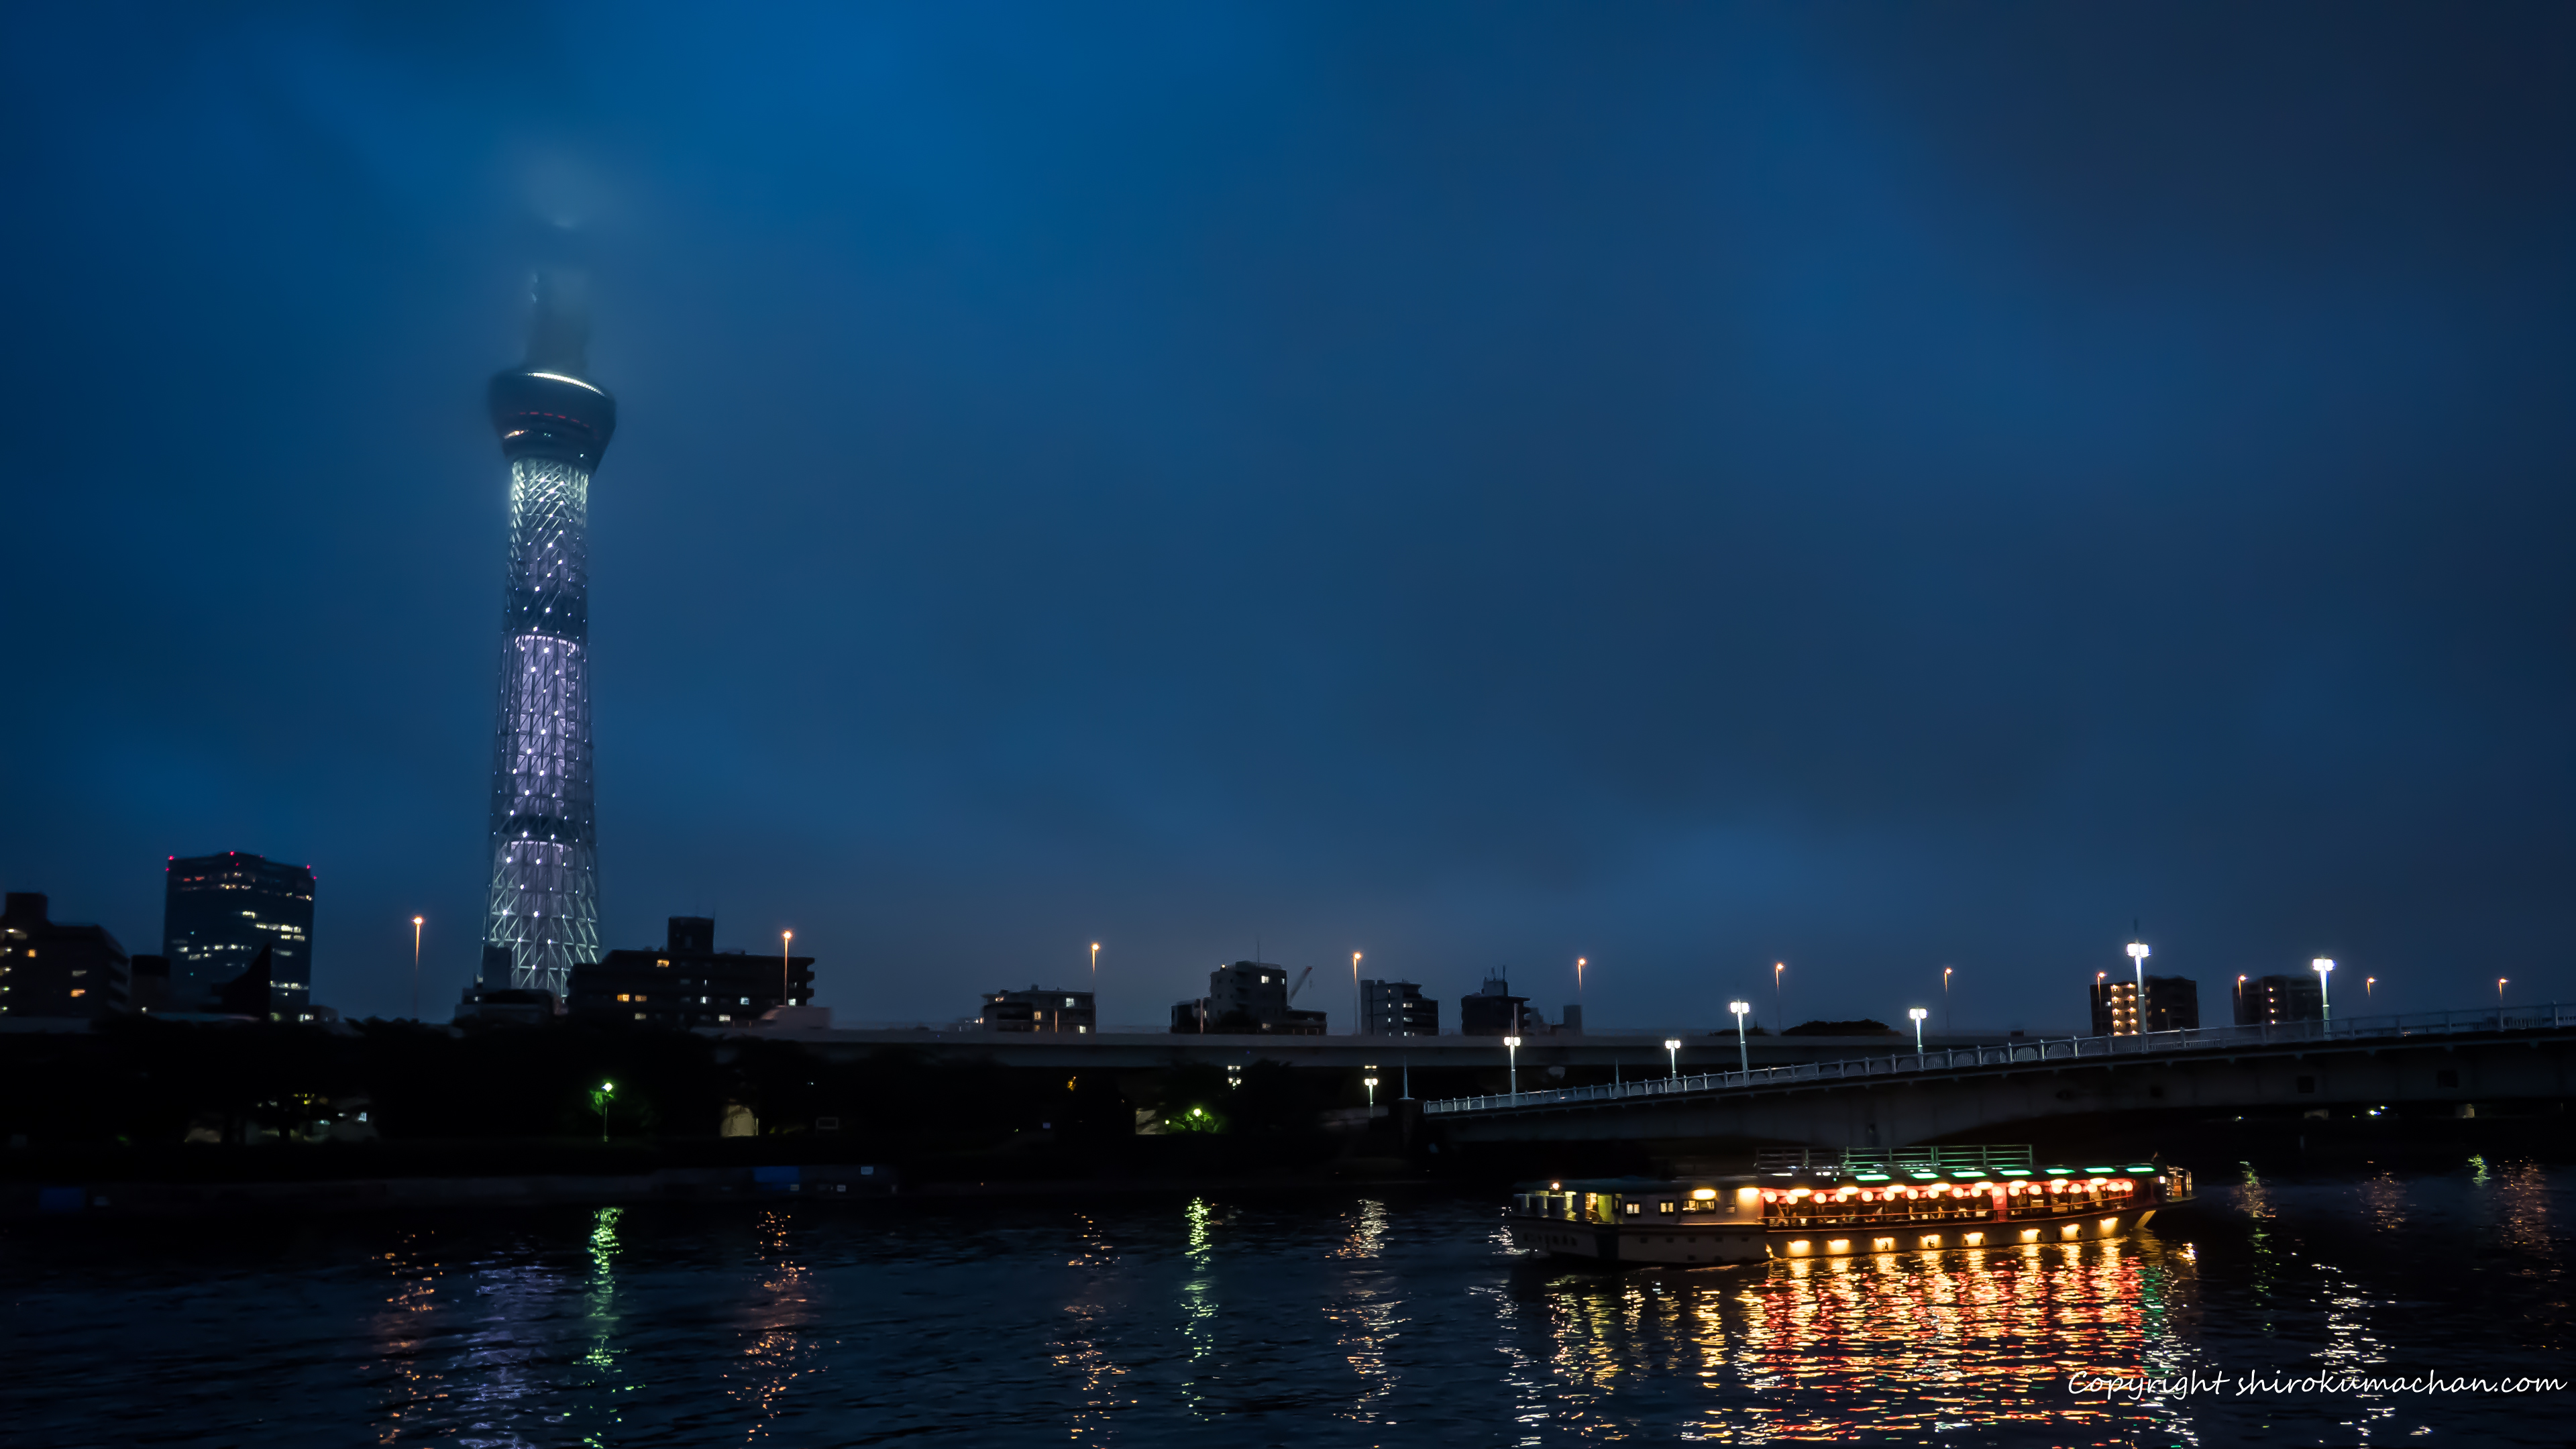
2161 1045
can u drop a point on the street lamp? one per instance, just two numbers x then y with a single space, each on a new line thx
1743 1053
1095 968
2367 982
786 993
1370 1082
2138 954
1579 964
2325 1001
1512 1045
1673 1056
1948 1022
2499 999
2240 998
599 1100
1359 1008
415 967
1779 1013
1916 1014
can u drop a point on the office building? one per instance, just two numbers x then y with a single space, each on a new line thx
541 917
2173 1004
1247 998
688 982
48 968
218 911
1397 1008
2273 999
148 984
1494 1011
1039 1009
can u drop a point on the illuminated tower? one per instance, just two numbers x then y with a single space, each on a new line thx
543 915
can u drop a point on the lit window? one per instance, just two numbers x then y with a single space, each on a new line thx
76 991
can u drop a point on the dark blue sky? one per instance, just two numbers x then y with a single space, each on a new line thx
1689 486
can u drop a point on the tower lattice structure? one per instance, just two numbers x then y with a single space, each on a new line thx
542 916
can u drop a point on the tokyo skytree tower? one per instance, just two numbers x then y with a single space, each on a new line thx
543 914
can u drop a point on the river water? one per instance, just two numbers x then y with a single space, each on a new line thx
1250 1319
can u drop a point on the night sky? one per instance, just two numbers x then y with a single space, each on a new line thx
1874 488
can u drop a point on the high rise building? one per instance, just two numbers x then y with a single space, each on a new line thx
2269 999
1248 998
542 917
1397 1008
218 910
48 968
2173 1004
688 982
1494 1011
1040 1009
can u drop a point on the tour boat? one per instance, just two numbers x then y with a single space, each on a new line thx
1845 1205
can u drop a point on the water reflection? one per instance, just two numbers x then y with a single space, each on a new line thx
1198 1294
777 1355
401 1331
1893 1345
1084 1347
1366 1316
604 1324
1391 1319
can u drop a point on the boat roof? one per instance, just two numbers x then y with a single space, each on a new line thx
1634 1184
1835 1174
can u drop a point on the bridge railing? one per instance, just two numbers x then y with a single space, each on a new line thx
2547 1016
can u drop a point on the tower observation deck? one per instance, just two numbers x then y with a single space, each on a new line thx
542 916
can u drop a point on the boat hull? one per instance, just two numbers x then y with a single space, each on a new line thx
1693 1245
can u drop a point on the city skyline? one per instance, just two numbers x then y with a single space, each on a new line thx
1781 505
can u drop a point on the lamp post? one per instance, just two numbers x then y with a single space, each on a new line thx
1949 1023
1916 1014
1673 1057
1359 1008
2368 982
2138 955
599 1103
2240 998
1370 1082
2325 1001
415 968
1512 1045
1779 1013
2499 1001
786 992
1743 1053
1095 969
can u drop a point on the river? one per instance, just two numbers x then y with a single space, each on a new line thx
1312 1319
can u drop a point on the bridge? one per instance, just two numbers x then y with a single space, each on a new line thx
2449 1061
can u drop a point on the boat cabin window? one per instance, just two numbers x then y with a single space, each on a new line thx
1664 1205
1632 1207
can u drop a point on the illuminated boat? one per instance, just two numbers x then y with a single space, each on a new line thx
1845 1205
